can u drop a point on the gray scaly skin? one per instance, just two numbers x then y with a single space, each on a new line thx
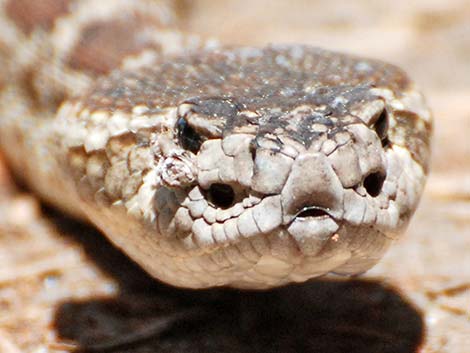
247 167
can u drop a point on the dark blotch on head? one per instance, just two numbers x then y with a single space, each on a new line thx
217 107
103 45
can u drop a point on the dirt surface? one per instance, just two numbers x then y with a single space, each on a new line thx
62 286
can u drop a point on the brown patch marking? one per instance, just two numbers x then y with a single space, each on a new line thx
417 136
26 81
103 45
40 99
5 52
32 14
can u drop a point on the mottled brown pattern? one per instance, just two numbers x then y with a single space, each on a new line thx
274 77
33 14
103 45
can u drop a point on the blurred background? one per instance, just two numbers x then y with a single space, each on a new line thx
47 262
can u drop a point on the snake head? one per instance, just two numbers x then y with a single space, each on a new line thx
256 167
318 185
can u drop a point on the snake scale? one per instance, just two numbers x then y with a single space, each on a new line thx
209 165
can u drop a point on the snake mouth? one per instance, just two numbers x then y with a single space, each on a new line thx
312 212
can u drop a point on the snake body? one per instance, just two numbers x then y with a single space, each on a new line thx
209 166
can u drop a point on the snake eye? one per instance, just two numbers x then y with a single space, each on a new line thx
381 127
187 137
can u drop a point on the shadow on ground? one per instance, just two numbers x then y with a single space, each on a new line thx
320 316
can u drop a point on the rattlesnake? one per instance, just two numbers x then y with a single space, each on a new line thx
209 165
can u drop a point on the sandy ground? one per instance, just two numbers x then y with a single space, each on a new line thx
62 285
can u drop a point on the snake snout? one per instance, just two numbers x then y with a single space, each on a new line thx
312 190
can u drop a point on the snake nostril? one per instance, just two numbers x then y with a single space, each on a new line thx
221 195
312 212
373 183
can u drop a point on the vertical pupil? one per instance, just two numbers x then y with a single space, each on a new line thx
381 125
